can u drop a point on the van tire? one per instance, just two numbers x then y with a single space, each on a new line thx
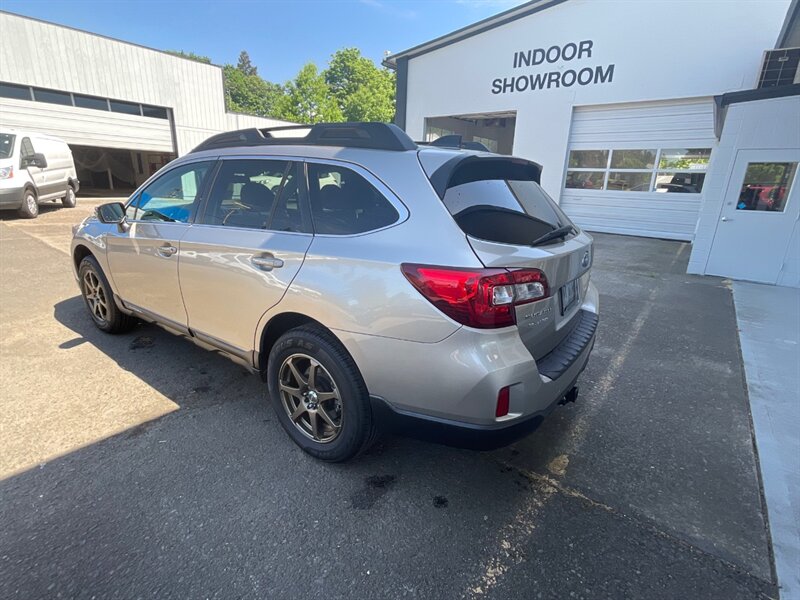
30 205
69 200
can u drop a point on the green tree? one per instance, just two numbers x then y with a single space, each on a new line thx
250 93
363 91
244 64
308 99
190 56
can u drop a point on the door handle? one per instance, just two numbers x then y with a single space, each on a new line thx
724 219
266 263
166 250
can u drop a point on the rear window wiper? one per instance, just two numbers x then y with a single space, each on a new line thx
553 235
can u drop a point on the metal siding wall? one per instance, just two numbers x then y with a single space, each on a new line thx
47 55
87 127
677 124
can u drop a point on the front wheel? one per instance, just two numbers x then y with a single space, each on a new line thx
99 299
30 205
319 395
69 200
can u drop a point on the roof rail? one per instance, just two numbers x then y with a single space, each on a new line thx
375 136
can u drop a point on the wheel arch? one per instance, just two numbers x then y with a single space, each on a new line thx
275 328
79 253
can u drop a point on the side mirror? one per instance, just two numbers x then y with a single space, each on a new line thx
39 160
113 213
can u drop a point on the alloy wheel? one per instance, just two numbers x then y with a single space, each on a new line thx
310 397
95 296
30 202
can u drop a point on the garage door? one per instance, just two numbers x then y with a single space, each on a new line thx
639 169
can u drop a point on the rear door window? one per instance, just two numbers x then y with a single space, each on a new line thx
502 210
344 203
244 193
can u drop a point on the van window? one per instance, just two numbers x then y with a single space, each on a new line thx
344 203
25 152
502 210
6 145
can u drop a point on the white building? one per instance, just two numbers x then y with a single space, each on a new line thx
652 118
125 110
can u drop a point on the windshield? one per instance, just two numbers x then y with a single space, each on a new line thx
6 145
507 211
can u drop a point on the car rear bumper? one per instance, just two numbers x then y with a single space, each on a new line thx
456 381
459 434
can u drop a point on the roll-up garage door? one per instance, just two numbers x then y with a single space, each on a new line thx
639 169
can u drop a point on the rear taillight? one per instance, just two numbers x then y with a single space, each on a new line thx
483 298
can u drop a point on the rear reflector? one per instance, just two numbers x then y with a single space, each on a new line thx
502 402
482 298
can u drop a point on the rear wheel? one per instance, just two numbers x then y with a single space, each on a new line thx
100 299
30 205
69 200
319 395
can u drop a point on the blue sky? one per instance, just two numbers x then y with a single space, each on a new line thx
280 35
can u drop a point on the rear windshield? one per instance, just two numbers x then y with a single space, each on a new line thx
6 144
506 211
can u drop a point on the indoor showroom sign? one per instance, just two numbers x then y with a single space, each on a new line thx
588 75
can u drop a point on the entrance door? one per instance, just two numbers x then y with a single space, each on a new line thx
761 205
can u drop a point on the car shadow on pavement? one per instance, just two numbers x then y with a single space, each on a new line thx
215 500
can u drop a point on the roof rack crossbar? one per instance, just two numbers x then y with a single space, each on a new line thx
375 136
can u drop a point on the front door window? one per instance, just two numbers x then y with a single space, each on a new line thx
766 186
173 196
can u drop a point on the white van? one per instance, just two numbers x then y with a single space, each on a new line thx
35 168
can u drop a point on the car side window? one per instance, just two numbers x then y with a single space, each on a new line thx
288 212
344 203
25 152
244 193
173 196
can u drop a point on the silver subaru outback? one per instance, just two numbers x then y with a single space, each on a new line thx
375 284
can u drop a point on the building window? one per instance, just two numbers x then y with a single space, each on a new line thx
18 92
157 112
52 96
94 102
766 186
678 170
682 170
128 108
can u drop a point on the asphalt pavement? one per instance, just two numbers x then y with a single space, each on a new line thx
139 466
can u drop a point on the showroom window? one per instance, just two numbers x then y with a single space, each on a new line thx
674 170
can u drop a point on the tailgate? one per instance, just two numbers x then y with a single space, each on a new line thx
543 324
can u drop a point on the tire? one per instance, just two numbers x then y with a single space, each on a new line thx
99 299
69 200
336 378
30 205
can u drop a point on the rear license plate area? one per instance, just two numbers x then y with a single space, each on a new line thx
568 296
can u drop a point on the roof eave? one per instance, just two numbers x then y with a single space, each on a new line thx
507 16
